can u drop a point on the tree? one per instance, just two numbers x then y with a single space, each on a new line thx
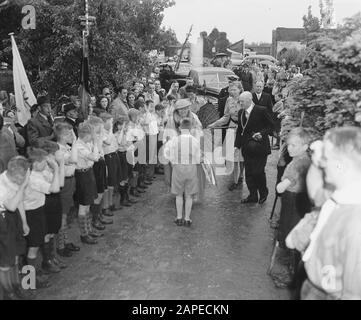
118 42
326 12
293 56
329 93
310 22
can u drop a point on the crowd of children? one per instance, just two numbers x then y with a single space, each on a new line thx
90 169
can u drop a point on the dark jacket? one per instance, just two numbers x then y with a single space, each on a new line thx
259 121
247 80
264 101
39 128
224 93
7 148
74 125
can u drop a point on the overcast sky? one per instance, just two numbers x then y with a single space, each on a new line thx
252 20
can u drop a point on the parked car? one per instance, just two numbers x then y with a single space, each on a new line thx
167 73
210 81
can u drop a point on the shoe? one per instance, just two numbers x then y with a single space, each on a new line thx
263 199
88 240
60 263
232 186
187 223
72 247
50 267
178 222
249 200
66 253
126 203
107 213
148 182
133 192
96 234
140 191
97 225
102 220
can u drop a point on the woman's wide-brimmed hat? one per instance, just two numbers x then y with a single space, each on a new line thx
182 103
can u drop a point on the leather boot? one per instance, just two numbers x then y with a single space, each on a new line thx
134 192
107 213
58 262
95 209
48 266
131 201
123 194
88 239
104 220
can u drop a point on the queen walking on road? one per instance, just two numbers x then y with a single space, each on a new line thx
234 158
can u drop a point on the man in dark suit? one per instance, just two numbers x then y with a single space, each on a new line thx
261 98
246 78
71 116
254 126
41 126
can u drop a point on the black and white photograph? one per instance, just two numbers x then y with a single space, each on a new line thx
193 151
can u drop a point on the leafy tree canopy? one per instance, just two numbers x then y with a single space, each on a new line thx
124 32
329 94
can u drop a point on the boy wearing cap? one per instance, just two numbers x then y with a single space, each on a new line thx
71 117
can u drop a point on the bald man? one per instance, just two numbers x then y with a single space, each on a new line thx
254 126
261 98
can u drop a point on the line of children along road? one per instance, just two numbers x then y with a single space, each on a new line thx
91 169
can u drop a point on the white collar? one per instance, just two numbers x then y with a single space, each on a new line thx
44 116
250 108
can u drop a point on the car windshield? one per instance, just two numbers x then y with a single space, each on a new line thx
214 79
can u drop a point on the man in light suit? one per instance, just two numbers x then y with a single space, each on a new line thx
261 98
254 126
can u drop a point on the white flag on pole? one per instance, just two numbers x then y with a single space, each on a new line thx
24 95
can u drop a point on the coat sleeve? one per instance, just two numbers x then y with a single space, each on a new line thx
269 126
237 142
33 133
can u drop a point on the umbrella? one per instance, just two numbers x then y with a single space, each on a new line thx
209 171
208 114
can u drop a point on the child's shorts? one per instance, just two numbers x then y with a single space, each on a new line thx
53 213
184 179
113 166
86 188
100 174
67 194
37 224
124 166
12 241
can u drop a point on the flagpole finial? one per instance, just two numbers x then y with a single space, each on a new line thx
11 34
